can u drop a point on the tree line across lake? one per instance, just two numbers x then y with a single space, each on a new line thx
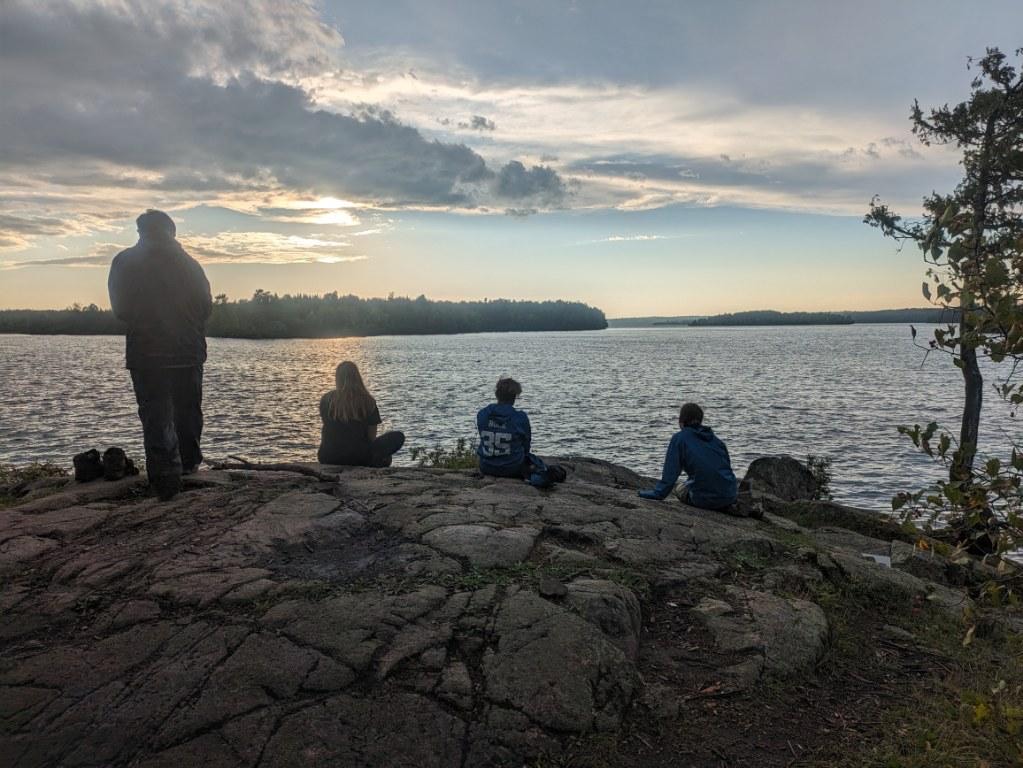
773 317
269 316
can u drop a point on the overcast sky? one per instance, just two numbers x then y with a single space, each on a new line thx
645 157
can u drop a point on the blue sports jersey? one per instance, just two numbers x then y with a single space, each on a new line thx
505 436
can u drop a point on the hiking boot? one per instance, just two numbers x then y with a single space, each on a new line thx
115 464
166 487
88 466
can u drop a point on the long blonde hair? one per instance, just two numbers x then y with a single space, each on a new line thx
350 400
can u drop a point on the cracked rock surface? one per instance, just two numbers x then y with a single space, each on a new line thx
401 617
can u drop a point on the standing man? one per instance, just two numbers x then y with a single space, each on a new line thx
163 297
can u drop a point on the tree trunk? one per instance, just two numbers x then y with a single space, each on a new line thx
962 464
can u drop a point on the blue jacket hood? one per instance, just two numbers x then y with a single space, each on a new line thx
706 434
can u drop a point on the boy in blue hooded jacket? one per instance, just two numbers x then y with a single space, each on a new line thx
695 449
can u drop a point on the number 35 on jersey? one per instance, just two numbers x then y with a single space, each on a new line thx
495 443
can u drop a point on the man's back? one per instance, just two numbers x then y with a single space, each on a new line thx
163 296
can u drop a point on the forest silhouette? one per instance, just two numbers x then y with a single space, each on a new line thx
269 316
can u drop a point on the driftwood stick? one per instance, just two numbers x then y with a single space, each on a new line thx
243 463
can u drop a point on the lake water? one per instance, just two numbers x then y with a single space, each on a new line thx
834 391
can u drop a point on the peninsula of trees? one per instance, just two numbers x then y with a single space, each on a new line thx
269 316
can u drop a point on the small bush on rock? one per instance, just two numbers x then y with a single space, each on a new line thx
462 456
820 468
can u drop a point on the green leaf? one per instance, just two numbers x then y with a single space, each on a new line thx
992 467
927 291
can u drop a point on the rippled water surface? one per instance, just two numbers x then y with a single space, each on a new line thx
835 391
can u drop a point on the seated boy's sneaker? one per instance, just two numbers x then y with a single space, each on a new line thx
540 479
733 510
557 473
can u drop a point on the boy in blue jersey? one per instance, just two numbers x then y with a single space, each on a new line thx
694 449
505 435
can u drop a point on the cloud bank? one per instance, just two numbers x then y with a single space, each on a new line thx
207 100
262 106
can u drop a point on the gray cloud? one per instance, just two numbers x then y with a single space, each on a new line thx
32 225
18 227
95 260
539 182
719 170
268 248
813 177
478 123
198 98
903 147
791 51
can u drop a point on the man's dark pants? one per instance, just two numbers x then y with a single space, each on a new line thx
170 407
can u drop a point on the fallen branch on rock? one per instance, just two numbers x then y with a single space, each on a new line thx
243 463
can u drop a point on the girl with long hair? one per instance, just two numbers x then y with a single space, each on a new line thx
350 420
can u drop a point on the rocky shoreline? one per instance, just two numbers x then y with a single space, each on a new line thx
425 617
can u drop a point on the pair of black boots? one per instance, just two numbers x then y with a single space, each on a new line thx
114 464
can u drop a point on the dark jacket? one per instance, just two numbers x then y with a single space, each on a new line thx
704 458
163 297
505 437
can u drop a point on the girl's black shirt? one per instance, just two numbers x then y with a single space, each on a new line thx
345 442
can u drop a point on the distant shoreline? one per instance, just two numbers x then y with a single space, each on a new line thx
763 318
269 316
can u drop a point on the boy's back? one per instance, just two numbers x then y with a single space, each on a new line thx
505 437
698 452
704 459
